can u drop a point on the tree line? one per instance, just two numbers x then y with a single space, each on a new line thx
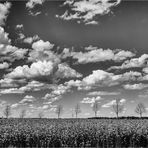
117 108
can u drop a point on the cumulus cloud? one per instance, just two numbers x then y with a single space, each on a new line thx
64 71
102 93
27 100
4 65
4 10
11 91
11 83
100 78
8 52
41 45
4 37
15 105
138 86
88 100
94 55
91 23
11 53
31 3
110 103
34 86
145 74
56 93
21 86
19 26
36 69
30 40
42 51
43 70
87 10
134 62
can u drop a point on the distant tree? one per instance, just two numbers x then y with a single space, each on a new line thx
59 110
72 113
118 107
95 107
7 111
40 115
140 109
23 113
77 109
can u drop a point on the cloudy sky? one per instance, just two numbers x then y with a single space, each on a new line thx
69 52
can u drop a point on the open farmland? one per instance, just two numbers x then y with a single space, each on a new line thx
73 132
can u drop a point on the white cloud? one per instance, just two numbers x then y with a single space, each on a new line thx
87 10
91 23
145 70
34 86
15 105
56 93
31 3
42 51
4 10
109 104
11 53
100 78
4 65
27 100
135 62
37 69
138 86
21 36
41 45
19 26
4 37
10 83
30 40
94 55
64 71
11 91
20 86
43 69
91 100
102 93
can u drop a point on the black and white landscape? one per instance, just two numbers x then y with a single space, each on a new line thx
73 73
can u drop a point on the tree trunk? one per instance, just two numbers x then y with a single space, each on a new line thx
117 115
95 114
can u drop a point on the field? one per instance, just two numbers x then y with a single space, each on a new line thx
73 133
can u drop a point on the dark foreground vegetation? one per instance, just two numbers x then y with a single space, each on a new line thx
74 133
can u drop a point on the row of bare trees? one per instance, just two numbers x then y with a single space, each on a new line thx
7 112
59 110
117 108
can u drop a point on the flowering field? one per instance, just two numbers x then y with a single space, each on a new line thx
73 133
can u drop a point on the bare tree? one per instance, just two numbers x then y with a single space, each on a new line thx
40 115
7 111
59 110
72 112
95 107
118 107
140 109
23 113
77 109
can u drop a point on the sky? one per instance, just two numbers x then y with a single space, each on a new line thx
73 52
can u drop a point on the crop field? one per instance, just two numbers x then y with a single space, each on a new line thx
73 133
